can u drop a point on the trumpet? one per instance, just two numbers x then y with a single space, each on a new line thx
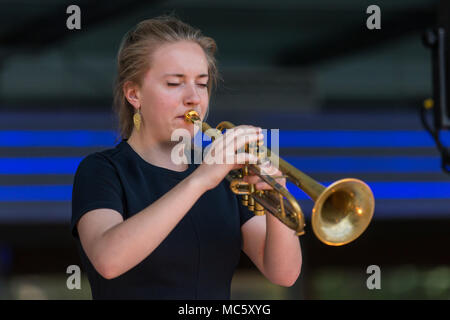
341 213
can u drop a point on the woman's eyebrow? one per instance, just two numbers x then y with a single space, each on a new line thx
180 75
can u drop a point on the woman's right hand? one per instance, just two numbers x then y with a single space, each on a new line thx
216 165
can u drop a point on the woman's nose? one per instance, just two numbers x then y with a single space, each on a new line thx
191 95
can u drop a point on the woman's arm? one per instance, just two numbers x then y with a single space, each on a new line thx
271 245
114 245
273 248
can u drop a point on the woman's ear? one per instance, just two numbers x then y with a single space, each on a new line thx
132 94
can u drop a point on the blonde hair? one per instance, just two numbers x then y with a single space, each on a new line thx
133 60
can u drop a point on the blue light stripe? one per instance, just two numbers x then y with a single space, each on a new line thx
355 139
57 138
395 190
288 138
377 164
381 190
62 165
322 164
36 193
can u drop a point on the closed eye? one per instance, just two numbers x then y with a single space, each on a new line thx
172 84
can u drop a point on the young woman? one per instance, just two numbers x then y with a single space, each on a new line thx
150 228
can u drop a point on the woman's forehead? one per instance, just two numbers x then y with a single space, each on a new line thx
180 58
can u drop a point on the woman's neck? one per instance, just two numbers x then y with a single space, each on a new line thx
155 152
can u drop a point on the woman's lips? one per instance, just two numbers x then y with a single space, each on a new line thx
182 118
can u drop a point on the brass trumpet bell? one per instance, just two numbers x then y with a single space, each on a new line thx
341 213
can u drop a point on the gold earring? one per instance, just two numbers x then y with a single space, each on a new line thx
137 119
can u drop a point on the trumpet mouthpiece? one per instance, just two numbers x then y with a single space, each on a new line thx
191 116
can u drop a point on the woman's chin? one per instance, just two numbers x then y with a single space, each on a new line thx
183 128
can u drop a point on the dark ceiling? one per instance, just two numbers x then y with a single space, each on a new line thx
43 63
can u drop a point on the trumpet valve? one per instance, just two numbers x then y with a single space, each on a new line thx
238 186
251 204
259 209
244 200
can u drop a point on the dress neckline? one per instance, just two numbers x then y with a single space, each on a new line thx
145 164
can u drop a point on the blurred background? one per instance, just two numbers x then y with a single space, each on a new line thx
347 101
